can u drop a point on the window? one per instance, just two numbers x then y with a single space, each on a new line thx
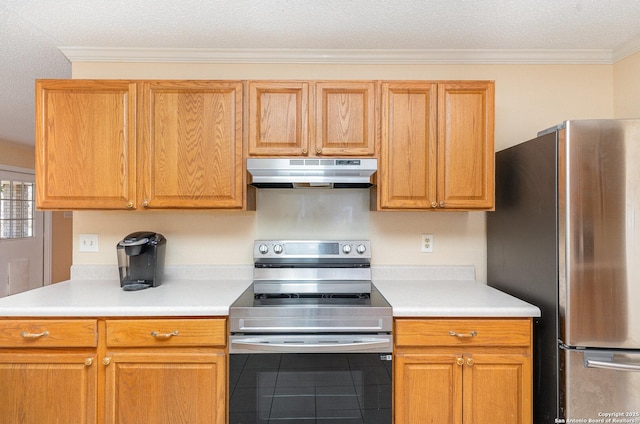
17 209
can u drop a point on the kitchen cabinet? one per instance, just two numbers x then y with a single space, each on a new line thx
165 371
48 371
437 145
346 114
85 144
463 371
162 371
312 118
190 144
139 144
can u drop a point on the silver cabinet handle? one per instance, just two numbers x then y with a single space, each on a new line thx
164 335
463 335
305 347
34 335
618 366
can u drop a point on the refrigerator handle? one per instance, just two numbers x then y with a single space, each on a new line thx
605 361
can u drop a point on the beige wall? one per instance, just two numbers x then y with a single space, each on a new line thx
626 77
528 98
17 155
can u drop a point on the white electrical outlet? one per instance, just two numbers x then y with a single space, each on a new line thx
88 243
427 243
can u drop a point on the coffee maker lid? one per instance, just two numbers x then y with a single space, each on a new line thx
138 238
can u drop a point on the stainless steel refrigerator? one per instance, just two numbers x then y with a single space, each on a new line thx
565 236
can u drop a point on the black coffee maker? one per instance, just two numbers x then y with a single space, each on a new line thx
141 260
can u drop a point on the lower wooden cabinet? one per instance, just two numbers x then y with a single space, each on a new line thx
165 371
87 371
463 371
165 387
43 384
48 388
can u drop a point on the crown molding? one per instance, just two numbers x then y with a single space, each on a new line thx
626 49
339 56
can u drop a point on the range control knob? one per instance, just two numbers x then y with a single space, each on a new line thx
361 249
263 248
346 249
277 249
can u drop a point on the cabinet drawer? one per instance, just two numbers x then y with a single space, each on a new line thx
166 332
48 333
463 332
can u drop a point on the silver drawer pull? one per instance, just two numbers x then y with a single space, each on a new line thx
463 335
165 335
34 335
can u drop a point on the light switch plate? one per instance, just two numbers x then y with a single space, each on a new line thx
88 243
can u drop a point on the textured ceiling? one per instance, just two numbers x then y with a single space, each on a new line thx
31 31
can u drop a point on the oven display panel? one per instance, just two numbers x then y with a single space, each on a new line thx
312 249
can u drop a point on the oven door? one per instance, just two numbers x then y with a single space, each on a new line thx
292 388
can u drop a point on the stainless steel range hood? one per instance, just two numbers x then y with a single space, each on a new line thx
309 173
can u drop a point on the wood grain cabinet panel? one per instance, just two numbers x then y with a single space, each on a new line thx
408 156
313 118
466 145
41 333
345 118
48 388
85 144
165 387
427 389
166 332
481 374
48 371
105 144
437 145
165 371
96 371
190 153
279 118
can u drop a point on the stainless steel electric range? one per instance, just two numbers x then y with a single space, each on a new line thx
311 338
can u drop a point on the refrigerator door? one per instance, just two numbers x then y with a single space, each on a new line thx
599 233
600 385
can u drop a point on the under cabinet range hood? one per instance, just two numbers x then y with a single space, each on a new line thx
310 173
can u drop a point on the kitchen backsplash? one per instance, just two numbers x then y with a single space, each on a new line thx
226 237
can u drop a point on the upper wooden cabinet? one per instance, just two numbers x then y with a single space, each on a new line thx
127 145
85 144
190 144
466 145
278 118
345 118
312 118
437 145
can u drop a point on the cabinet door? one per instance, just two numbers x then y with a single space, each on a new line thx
278 118
170 387
466 145
85 144
407 171
428 389
497 389
48 388
190 152
345 118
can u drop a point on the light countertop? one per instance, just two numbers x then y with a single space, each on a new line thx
103 298
440 298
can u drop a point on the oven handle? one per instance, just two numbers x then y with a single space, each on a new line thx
259 345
